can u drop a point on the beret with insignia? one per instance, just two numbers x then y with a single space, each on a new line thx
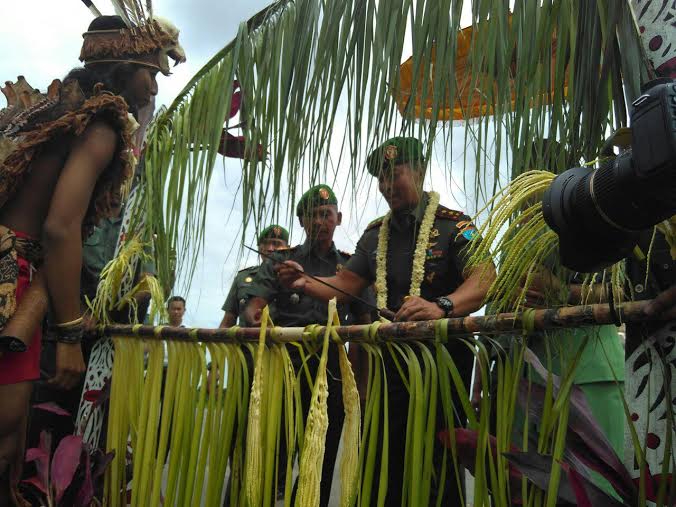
319 195
273 232
395 151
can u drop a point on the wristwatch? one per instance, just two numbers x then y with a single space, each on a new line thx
446 305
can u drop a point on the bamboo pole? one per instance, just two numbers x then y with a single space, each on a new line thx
503 323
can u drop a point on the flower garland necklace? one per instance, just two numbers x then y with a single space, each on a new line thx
418 270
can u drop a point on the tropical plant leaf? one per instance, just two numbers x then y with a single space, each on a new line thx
64 463
584 439
35 453
42 463
537 468
37 483
86 492
53 408
581 496
466 442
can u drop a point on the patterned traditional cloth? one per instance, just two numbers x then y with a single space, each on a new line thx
19 256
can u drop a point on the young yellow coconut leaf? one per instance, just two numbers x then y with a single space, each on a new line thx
349 465
124 411
668 228
312 456
255 438
118 272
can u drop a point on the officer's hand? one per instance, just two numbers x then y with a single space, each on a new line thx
290 275
540 285
664 305
417 308
69 366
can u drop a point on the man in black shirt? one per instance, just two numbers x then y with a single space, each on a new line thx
421 274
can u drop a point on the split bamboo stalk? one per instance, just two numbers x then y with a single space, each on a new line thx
502 323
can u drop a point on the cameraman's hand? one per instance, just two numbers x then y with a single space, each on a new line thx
664 305
290 275
69 366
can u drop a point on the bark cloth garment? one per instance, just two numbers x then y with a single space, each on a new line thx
31 124
19 256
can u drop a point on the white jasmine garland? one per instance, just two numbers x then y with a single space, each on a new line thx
418 270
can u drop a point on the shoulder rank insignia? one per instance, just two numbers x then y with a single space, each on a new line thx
450 214
248 279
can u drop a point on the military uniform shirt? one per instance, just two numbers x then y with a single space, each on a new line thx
240 292
97 250
293 308
445 260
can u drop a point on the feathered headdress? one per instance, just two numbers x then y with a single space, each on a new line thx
147 40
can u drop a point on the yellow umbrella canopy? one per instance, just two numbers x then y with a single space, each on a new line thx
472 81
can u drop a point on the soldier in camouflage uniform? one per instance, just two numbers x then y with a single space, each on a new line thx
272 238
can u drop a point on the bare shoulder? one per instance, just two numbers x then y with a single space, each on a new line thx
99 140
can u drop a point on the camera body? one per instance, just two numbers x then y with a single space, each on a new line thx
598 213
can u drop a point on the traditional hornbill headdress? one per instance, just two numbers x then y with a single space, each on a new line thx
145 40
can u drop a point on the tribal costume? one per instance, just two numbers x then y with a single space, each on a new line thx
33 123
28 125
19 257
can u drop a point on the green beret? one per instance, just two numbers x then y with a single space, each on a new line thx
319 195
395 151
273 232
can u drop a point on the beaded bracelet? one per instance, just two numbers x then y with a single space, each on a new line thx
69 332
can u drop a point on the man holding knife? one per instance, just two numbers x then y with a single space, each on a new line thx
415 256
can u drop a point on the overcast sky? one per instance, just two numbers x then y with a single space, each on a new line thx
41 40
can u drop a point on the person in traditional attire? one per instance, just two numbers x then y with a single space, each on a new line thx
319 216
415 256
64 158
97 251
272 238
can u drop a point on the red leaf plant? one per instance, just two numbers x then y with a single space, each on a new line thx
68 477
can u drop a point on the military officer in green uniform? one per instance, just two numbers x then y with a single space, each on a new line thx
421 275
272 238
318 213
